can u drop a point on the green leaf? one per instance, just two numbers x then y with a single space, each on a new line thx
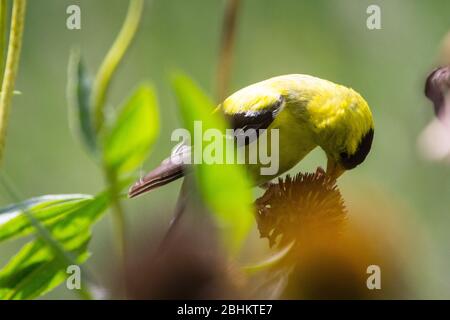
224 187
37 268
46 209
133 133
78 96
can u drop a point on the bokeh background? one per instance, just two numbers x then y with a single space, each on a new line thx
404 195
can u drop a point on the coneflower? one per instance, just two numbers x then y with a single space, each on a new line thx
296 208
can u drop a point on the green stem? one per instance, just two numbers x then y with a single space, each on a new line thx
3 17
12 64
119 224
98 99
112 60
119 218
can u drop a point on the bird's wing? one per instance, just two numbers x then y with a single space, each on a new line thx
257 112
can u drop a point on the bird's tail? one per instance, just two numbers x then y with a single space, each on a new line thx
168 171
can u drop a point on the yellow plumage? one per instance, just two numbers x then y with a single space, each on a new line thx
307 111
315 112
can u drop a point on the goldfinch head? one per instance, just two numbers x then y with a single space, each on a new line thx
343 126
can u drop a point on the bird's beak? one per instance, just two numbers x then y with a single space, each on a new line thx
334 169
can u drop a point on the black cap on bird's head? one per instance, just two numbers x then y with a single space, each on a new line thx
350 161
347 161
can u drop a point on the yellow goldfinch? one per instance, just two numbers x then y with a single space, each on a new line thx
307 111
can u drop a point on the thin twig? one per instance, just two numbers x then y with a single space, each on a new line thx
227 48
12 64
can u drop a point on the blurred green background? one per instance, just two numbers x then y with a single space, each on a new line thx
327 39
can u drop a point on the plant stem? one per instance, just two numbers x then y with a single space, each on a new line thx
119 224
226 49
112 60
12 64
119 219
3 17
98 98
